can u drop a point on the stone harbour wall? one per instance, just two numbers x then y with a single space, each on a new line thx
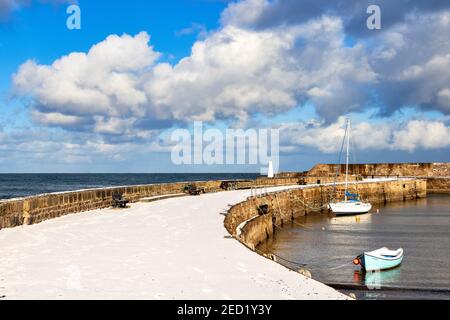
438 185
287 205
384 169
39 208
437 174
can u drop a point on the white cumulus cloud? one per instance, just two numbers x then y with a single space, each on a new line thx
231 74
422 134
391 135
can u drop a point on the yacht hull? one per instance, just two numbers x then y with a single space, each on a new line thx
350 208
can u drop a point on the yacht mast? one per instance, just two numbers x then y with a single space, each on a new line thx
348 157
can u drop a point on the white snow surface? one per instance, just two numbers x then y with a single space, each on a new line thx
170 249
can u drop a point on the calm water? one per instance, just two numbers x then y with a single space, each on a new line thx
21 185
327 245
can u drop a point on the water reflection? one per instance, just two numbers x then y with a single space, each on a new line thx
344 220
377 279
327 244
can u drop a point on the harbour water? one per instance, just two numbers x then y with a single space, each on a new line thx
326 245
22 185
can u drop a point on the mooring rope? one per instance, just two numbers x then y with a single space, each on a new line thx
278 203
299 264
301 225
324 206
341 266
290 261
281 258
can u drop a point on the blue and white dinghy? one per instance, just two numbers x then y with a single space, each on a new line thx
381 259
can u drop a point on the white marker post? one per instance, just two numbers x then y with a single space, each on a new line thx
270 173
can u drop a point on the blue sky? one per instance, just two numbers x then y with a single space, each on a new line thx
39 31
298 66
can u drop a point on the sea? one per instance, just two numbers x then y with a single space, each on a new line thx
23 185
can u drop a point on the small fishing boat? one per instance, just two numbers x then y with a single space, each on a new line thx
381 259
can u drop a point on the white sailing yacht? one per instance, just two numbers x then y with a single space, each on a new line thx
352 203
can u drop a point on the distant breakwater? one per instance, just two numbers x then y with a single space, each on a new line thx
13 186
35 209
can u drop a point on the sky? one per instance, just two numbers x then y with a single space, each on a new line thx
107 97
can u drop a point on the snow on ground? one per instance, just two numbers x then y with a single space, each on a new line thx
170 249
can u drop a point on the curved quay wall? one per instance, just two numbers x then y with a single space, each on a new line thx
39 208
438 185
251 226
437 173
418 170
